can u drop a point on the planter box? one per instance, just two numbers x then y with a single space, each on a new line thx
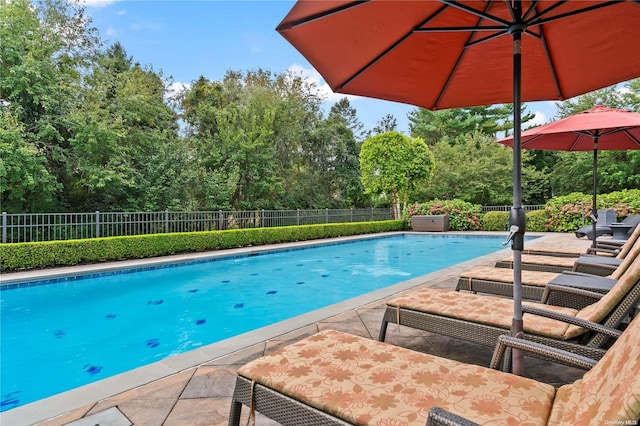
432 223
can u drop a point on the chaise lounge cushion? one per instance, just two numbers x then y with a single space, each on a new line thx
498 311
367 382
610 391
571 248
489 310
490 273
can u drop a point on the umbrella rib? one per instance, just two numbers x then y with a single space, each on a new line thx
458 29
538 20
445 86
575 142
532 8
487 38
290 25
624 130
480 14
390 48
633 138
551 63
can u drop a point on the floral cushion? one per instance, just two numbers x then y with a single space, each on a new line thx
609 393
564 262
576 247
627 260
366 382
490 310
598 311
504 275
633 240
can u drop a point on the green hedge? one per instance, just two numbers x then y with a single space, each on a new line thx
19 256
495 221
499 221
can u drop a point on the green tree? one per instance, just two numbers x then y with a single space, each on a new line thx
388 123
479 171
393 164
122 126
346 186
261 142
26 183
451 125
40 76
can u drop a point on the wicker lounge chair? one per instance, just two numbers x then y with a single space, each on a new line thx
595 264
334 378
605 218
482 318
499 281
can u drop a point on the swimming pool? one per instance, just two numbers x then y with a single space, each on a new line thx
78 330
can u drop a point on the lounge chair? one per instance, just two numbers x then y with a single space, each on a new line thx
590 263
482 318
605 218
574 248
499 281
334 378
633 221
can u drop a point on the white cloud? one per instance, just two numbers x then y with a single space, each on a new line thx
121 12
111 31
323 88
176 88
539 118
96 3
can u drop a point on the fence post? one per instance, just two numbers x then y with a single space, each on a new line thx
4 227
97 224
326 215
298 217
262 225
351 214
166 221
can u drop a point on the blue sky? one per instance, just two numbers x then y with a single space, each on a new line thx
187 39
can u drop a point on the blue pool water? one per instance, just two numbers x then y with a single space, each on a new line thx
58 335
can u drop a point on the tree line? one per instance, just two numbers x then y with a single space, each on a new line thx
85 127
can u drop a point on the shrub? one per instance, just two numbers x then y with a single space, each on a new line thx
569 212
463 216
18 256
495 221
537 221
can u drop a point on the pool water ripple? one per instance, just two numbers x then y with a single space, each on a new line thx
77 330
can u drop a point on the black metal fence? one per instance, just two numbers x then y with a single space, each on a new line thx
31 227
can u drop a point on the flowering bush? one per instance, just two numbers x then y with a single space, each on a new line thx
569 212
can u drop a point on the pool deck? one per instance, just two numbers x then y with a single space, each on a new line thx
195 388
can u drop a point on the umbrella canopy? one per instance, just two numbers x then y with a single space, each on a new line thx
599 128
445 54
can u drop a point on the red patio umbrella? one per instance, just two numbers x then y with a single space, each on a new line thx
599 128
444 54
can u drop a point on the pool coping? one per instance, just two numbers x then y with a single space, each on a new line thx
76 398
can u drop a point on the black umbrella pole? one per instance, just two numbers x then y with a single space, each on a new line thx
517 217
594 208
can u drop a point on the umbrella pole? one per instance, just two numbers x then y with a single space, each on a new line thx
594 208
517 217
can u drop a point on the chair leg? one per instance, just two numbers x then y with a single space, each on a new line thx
234 414
383 329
